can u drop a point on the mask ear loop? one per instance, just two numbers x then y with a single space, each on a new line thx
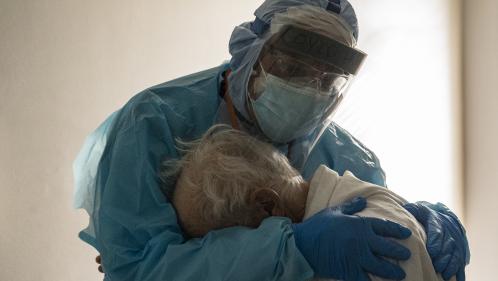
228 100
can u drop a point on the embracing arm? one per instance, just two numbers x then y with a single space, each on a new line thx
265 253
270 252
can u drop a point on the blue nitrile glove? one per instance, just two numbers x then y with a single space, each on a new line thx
446 239
341 246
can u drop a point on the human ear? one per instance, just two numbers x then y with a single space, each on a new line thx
266 200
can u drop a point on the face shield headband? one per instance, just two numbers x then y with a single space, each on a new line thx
316 48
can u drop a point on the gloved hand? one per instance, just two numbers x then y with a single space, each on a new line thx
341 246
446 239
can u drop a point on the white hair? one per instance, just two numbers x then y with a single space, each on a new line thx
218 174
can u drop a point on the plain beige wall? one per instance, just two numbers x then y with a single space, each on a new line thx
64 66
481 127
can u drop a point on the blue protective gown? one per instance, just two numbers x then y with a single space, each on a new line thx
134 226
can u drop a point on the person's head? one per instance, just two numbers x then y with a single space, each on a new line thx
228 178
292 65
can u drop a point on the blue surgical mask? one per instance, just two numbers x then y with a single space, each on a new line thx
284 111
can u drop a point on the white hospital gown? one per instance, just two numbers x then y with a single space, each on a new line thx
327 189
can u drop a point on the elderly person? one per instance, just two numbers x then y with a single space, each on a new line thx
289 71
234 179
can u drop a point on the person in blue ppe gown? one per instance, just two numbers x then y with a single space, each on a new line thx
289 70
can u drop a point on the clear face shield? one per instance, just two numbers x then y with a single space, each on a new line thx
299 80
